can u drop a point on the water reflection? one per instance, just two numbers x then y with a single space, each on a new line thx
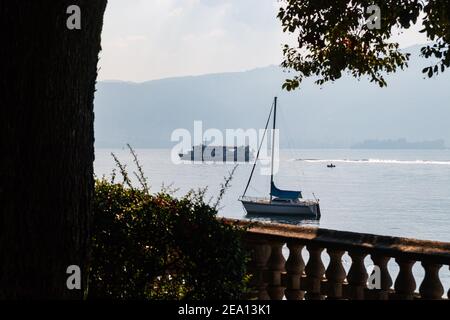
283 219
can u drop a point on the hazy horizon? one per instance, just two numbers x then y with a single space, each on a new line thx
338 114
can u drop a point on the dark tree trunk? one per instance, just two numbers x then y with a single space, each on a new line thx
47 85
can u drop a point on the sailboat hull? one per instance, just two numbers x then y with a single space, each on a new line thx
303 208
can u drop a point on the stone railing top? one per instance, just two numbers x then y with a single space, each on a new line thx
408 248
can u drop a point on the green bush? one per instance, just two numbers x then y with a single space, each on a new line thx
156 246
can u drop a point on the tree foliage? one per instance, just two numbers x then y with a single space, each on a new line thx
157 246
334 37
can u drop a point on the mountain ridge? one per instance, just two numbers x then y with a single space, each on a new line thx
339 114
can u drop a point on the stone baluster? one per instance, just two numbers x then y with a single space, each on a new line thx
314 272
294 268
260 253
448 293
335 274
357 275
276 266
431 287
405 283
381 261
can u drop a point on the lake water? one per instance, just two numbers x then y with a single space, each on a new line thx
387 192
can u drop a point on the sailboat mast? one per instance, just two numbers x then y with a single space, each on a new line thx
259 149
273 144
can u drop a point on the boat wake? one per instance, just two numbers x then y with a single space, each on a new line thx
379 161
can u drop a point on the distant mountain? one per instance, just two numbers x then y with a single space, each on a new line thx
399 144
336 115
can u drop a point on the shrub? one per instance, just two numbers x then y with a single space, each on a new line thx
157 246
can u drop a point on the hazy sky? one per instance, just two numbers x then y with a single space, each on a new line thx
152 39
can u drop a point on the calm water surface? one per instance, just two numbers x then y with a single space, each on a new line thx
388 192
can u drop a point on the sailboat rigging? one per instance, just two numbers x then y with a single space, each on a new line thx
281 202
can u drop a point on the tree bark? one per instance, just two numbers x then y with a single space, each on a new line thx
47 85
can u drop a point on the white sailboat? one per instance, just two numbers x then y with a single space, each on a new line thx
280 202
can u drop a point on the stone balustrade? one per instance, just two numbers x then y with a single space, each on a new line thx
275 277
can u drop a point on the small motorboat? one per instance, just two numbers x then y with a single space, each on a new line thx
331 165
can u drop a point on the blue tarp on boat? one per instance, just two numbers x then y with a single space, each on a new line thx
284 194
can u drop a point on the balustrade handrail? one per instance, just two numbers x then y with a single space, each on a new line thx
414 249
